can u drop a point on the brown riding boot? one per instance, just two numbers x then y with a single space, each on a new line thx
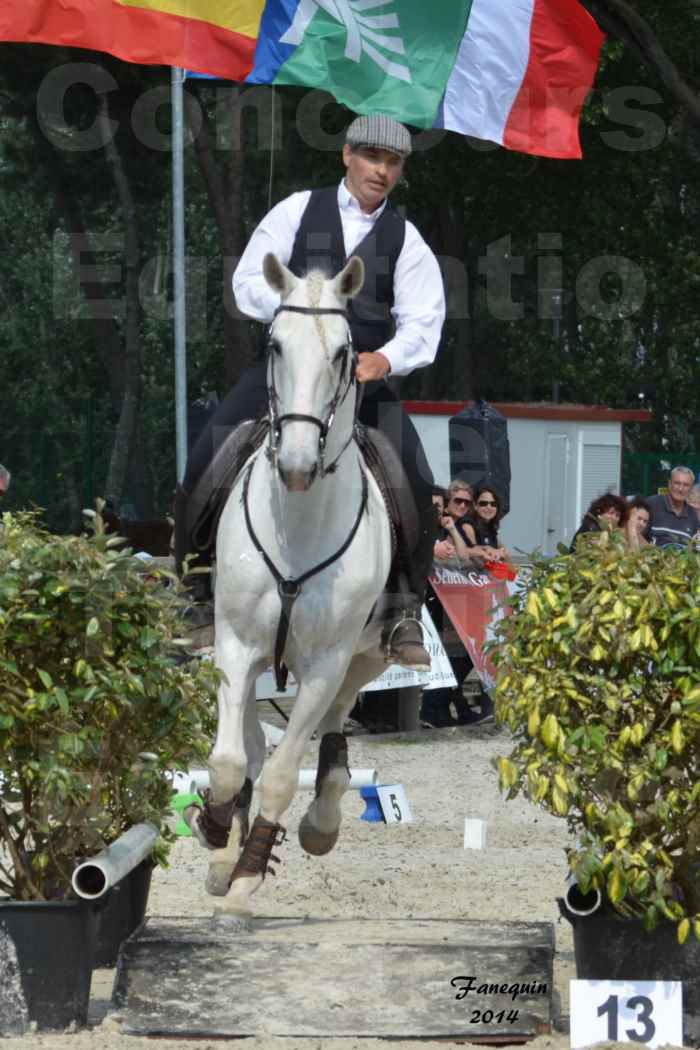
403 644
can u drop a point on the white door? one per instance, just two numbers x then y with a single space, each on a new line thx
555 492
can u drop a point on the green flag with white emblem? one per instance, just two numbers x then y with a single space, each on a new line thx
388 56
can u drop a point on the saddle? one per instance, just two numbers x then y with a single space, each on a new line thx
206 502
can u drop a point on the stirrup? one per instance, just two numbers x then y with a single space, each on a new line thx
403 644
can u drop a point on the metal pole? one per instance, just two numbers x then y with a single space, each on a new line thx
557 297
177 78
88 457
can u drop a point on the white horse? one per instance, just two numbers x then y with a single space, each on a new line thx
304 509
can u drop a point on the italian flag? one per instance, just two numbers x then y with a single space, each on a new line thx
522 73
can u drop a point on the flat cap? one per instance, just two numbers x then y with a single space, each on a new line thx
380 132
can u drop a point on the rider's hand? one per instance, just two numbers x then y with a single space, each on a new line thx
372 366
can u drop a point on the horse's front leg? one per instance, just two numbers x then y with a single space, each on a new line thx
322 673
234 764
320 825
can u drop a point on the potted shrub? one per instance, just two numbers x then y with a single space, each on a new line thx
599 681
92 679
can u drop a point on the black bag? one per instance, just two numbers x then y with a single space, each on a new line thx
479 449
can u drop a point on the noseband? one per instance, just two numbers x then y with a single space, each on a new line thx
324 425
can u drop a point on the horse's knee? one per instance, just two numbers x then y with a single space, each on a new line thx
227 774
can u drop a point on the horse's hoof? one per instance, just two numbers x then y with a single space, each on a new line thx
316 842
218 880
231 922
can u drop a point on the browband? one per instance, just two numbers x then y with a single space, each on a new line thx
316 311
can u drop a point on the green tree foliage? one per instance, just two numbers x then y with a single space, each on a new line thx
616 234
599 681
91 680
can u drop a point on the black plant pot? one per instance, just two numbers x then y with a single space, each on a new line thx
47 951
610 947
123 912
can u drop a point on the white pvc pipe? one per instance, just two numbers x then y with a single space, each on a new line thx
579 903
92 878
359 778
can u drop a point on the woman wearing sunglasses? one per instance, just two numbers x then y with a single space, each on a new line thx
482 526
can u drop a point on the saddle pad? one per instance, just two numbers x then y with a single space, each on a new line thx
207 502
208 499
384 463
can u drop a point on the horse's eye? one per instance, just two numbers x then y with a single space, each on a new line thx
340 354
274 347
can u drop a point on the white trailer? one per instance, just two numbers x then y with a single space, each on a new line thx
561 457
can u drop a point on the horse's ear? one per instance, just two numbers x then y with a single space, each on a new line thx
278 276
349 281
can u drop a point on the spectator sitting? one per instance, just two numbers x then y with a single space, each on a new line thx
432 713
481 529
460 500
451 542
636 523
673 520
4 480
441 549
452 506
439 498
607 511
694 499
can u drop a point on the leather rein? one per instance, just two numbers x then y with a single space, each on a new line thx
289 588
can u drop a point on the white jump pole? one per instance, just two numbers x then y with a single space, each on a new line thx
359 778
92 878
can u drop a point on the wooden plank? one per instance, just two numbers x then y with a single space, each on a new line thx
292 977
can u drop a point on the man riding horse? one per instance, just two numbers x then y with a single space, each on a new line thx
395 321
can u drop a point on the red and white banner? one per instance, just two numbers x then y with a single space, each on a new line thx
475 602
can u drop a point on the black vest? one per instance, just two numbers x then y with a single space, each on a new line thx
319 245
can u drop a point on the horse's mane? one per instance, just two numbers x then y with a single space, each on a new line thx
315 280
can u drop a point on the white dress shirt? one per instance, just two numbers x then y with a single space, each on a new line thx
419 299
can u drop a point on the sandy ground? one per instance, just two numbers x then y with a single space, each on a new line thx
384 871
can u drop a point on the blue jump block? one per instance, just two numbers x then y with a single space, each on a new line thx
373 810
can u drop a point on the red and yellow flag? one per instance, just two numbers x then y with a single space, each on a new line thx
209 36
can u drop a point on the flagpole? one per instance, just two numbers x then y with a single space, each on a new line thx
180 321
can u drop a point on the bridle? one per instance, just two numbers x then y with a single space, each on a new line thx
324 425
289 588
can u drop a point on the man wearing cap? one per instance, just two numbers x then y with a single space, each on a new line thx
396 319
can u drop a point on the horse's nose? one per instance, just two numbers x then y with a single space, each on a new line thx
298 480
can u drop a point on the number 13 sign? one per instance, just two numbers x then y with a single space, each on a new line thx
648 1012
